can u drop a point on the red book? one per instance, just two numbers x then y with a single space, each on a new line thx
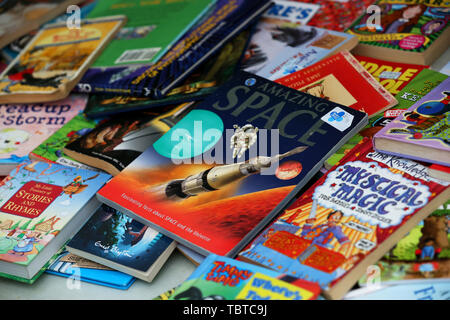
341 79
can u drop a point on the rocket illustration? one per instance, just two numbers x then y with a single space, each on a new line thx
218 177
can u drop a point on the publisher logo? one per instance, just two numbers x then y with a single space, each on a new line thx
338 118
250 82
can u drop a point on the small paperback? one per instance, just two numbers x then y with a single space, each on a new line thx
53 62
348 220
221 278
42 205
421 132
113 239
231 163
25 126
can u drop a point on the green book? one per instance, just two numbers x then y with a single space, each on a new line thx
153 26
422 84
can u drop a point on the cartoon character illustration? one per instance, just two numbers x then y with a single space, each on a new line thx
77 186
428 251
25 245
194 293
11 139
242 139
404 20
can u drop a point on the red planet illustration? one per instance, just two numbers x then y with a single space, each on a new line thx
288 170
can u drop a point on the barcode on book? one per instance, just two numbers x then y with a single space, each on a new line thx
138 55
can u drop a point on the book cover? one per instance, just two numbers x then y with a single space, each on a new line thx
394 76
17 18
202 82
71 266
25 126
221 278
52 149
281 45
41 205
227 19
341 79
54 61
403 31
113 144
113 239
421 132
232 163
348 220
422 84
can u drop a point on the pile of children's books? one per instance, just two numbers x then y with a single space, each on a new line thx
292 150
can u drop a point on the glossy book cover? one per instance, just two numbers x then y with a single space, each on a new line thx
348 219
231 163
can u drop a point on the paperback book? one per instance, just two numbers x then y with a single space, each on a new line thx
42 205
406 31
232 163
439 171
341 79
54 61
221 278
25 126
421 132
113 239
348 220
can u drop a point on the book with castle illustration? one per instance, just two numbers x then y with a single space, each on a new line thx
282 43
342 79
222 278
408 31
53 62
25 126
231 163
348 220
42 205
422 131
117 241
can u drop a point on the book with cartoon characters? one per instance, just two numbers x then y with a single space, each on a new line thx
405 31
42 205
222 278
25 126
53 62
348 220
422 131
115 240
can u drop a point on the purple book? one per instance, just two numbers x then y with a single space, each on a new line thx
423 131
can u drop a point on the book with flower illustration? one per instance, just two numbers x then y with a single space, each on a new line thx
348 220
422 131
25 126
53 62
42 205
341 79
406 31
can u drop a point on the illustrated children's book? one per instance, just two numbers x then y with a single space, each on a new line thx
115 240
407 31
393 76
422 84
232 163
116 142
71 266
281 45
226 19
421 132
17 18
341 79
52 149
55 60
152 28
42 205
221 278
348 220
24 126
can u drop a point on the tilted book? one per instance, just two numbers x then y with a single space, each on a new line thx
25 126
232 163
348 220
406 31
422 131
341 79
42 205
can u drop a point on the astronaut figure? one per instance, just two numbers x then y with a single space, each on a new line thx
242 139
